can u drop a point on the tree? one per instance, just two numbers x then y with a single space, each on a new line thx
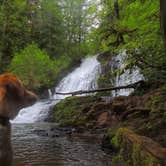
33 66
135 26
50 28
60 28
74 13
13 29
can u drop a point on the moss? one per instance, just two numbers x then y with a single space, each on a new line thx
157 102
104 79
131 151
73 111
104 57
152 125
107 75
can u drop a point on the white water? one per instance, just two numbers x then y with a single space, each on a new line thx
128 76
82 78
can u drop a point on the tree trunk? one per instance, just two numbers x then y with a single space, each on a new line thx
116 7
163 19
134 85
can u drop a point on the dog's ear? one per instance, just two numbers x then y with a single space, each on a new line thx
15 88
2 93
12 85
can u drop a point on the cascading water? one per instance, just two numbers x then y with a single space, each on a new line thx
82 78
128 76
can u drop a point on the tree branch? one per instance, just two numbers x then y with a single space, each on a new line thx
134 85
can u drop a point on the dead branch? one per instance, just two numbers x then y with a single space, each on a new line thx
134 85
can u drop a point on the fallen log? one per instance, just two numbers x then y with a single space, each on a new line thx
134 86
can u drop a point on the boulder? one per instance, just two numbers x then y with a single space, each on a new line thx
137 150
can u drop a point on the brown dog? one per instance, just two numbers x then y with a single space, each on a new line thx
13 97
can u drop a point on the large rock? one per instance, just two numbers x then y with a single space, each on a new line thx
136 150
74 111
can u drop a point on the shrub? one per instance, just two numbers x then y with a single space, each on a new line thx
33 66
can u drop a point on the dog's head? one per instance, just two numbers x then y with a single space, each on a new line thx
13 96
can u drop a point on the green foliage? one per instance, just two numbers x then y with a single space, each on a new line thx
138 31
13 29
33 66
59 28
50 28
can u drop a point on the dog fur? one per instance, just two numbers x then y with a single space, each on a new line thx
13 97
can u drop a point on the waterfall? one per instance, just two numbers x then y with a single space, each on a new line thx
50 94
127 77
82 78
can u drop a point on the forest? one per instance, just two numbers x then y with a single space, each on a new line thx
63 44
51 36
42 38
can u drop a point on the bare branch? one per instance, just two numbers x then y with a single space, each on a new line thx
134 85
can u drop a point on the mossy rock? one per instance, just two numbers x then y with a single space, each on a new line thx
104 57
135 150
107 74
73 111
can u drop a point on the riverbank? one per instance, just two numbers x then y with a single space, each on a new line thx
128 122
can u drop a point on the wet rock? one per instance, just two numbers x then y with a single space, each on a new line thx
41 132
62 130
139 111
106 99
54 132
103 119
